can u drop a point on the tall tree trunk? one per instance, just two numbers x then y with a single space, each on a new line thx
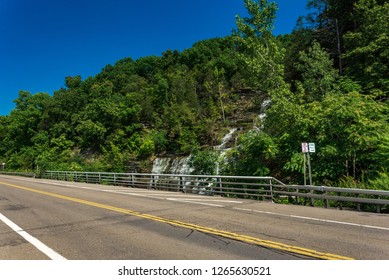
339 45
221 101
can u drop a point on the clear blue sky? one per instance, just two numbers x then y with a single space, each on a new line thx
43 41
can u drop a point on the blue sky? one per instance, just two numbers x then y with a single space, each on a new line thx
43 41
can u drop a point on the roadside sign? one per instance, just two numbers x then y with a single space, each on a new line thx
304 147
308 148
312 147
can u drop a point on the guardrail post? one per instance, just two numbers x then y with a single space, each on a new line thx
220 186
326 202
358 204
180 184
312 203
271 190
152 186
297 196
99 178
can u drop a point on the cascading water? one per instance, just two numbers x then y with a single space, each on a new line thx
226 139
180 165
170 165
258 122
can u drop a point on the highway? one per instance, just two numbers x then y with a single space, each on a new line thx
43 219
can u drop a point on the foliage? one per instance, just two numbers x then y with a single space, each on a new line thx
318 75
204 162
252 155
259 49
328 83
367 53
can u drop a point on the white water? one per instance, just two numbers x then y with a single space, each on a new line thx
226 139
170 165
259 121
180 165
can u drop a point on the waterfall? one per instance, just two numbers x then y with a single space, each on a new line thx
180 165
226 139
259 121
160 165
170 165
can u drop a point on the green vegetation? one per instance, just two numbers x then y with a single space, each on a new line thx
328 81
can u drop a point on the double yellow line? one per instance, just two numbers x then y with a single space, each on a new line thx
207 230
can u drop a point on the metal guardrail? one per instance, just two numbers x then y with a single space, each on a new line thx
253 187
260 188
22 174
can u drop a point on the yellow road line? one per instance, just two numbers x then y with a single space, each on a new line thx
226 234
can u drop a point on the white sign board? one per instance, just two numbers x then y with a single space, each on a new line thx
304 147
312 147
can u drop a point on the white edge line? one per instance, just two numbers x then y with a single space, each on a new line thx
242 209
207 200
32 240
134 194
312 219
193 202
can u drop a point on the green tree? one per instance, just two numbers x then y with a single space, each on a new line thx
259 49
367 53
356 126
252 156
204 162
319 77
28 117
217 86
330 20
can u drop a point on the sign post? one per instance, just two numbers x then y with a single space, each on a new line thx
307 149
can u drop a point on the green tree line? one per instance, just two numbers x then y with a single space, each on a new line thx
328 82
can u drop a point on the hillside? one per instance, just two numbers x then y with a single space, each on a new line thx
326 83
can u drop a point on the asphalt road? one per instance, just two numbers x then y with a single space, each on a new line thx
42 219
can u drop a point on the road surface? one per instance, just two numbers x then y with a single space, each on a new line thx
43 219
